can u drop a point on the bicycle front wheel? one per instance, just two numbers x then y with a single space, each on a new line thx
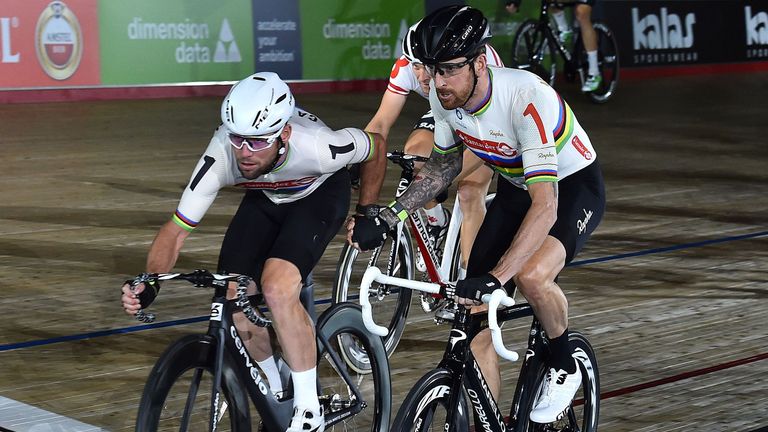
177 396
337 394
584 412
607 63
531 51
389 304
425 408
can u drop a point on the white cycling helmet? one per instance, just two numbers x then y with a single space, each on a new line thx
258 106
408 44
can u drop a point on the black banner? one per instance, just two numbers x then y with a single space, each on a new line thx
652 33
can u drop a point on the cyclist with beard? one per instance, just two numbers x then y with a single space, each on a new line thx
293 168
409 76
550 194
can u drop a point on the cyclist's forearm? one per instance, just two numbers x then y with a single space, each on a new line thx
372 172
165 248
436 175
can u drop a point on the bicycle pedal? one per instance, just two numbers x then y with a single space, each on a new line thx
445 315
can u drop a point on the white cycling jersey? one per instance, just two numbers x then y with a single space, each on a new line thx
402 79
315 152
523 129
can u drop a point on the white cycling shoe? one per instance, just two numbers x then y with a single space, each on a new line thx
559 389
304 420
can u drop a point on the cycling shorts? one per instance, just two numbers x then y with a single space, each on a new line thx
426 122
297 232
580 207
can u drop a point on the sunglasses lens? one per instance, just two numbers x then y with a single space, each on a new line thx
254 144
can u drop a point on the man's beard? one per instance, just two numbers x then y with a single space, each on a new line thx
457 101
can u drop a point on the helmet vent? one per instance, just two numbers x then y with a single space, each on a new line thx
231 113
281 98
258 78
276 122
256 119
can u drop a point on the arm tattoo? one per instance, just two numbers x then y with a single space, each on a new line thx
434 177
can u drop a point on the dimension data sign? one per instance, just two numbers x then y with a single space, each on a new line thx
354 40
149 41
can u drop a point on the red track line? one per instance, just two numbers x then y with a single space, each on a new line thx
682 376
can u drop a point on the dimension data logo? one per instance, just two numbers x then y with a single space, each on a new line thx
194 45
663 38
756 24
59 41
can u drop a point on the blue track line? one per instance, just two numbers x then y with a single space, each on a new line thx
83 336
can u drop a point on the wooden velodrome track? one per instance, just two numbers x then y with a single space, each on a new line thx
672 289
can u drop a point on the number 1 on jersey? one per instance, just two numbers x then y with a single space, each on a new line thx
531 111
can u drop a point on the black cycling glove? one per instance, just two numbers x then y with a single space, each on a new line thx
151 288
369 233
475 288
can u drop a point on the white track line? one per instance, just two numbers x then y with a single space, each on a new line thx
19 417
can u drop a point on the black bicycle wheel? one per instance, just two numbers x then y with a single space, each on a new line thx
425 408
389 304
607 63
584 412
531 51
374 386
177 395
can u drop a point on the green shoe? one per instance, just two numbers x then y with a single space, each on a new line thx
592 83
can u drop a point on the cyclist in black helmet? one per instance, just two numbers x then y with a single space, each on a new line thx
550 194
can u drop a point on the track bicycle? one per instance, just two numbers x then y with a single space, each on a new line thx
439 259
205 381
536 48
443 398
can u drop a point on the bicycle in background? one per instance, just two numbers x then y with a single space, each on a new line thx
205 381
536 48
443 399
437 258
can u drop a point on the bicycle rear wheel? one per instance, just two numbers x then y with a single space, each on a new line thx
425 408
177 396
531 51
607 63
374 386
584 412
389 304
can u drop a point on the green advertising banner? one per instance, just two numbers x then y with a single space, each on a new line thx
172 41
344 40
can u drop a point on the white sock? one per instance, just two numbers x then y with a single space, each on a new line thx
270 369
562 24
592 58
436 215
305 390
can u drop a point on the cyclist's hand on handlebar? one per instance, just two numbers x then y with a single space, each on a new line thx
470 291
140 296
367 233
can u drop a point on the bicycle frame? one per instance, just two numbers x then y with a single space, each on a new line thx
460 362
438 274
275 414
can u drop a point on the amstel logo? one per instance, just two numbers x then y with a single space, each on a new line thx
59 41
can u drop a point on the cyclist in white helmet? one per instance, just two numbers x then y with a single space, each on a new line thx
550 195
297 194
408 75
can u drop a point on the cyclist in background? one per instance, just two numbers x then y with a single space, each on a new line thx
408 75
293 168
550 195
583 13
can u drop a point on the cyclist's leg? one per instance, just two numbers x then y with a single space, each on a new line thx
472 188
245 247
306 227
583 12
496 232
580 207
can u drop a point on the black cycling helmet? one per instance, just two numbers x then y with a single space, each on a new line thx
449 33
